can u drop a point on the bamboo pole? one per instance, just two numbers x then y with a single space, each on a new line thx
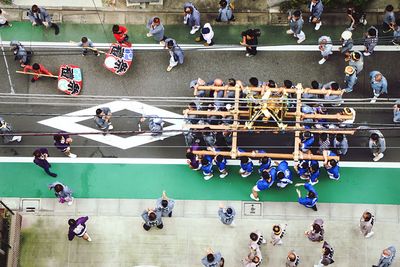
36 74
88 47
261 155
215 112
337 116
235 123
245 113
275 90
296 152
242 128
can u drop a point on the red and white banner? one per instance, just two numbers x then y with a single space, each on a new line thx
119 58
70 79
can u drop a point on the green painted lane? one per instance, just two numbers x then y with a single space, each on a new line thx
137 181
224 34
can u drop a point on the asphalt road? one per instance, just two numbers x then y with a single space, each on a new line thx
148 77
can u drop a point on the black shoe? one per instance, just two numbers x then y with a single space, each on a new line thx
170 214
314 208
160 226
53 174
56 28
33 80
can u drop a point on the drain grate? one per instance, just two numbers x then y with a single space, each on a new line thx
30 205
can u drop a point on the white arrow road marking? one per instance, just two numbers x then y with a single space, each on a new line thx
70 123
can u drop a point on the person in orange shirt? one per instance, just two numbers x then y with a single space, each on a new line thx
120 34
37 68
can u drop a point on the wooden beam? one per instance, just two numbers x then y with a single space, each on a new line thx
235 123
275 90
297 141
216 112
261 155
242 128
336 116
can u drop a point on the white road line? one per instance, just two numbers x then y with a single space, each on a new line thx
302 48
70 123
164 161
6 63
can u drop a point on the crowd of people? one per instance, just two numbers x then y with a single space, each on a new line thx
270 171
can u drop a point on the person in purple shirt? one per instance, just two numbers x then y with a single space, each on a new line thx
193 161
265 182
309 201
62 142
40 159
78 228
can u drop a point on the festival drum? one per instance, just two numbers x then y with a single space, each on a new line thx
70 79
119 58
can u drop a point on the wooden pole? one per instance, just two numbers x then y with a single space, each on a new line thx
275 90
88 47
261 155
242 128
298 114
36 74
235 123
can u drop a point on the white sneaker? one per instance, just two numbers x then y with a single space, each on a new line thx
208 177
169 68
70 202
367 54
110 127
89 239
72 155
289 32
369 234
322 61
162 43
301 40
317 26
264 241
223 175
232 224
246 175
373 100
18 139
254 198
194 30
377 158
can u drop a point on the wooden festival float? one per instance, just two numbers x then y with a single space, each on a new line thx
272 103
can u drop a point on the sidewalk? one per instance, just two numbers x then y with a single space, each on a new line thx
224 34
147 180
119 240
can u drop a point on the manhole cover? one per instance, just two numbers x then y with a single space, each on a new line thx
252 209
